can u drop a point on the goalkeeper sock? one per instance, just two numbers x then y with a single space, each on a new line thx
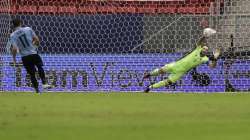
158 85
155 72
161 84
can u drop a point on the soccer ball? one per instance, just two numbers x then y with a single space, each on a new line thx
207 32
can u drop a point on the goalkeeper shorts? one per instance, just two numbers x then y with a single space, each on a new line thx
175 74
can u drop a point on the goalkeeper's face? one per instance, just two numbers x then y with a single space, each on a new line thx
204 51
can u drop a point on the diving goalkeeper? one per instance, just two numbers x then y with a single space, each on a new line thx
179 68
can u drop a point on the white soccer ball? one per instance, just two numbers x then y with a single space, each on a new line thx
207 32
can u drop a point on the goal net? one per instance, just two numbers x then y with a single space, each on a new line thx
108 45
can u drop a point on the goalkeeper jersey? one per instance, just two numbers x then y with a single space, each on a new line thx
190 61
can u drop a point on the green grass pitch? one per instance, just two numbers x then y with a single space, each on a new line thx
124 116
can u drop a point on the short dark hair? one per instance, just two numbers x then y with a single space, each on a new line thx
16 23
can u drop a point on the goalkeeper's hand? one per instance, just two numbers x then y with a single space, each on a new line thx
216 53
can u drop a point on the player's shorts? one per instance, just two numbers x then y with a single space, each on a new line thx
175 74
30 61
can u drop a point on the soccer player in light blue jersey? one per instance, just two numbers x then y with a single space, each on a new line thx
24 40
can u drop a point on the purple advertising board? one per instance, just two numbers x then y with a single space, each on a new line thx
122 73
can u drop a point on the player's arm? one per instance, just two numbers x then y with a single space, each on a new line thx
13 49
13 52
213 59
35 39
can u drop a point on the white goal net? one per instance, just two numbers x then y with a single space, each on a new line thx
108 45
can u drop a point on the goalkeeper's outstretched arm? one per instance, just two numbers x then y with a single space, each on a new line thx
201 41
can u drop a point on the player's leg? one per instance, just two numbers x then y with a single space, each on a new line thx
30 68
171 79
158 85
39 64
32 72
158 71
41 74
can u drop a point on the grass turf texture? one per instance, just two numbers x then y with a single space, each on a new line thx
124 116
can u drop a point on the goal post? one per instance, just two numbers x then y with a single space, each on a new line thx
108 45
5 18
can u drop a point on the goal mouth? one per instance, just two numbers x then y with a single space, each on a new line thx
98 45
